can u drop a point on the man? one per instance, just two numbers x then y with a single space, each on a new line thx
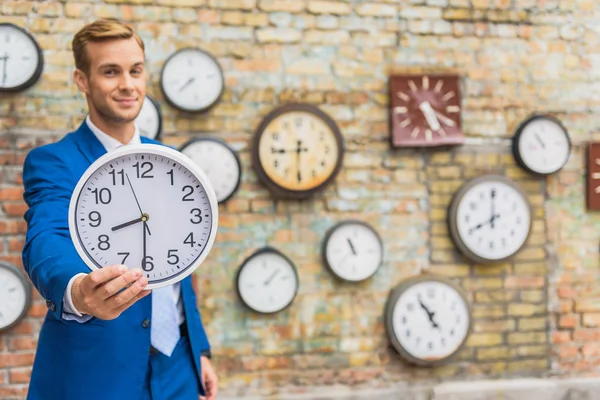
103 336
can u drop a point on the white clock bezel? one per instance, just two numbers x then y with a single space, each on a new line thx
158 150
258 253
173 102
228 147
22 278
516 146
40 64
390 305
156 105
453 218
330 233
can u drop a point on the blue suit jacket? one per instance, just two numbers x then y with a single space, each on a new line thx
97 359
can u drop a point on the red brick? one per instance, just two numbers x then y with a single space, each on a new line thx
568 351
13 259
15 245
16 360
519 282
22 343
15 209
566 292
590 350
21 375
12 392
7 159
37 310
568 321
566 306
13 226
586 335
23 327
561 337
11 193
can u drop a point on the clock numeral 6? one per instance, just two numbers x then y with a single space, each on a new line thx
172 254
197 215
103 243
147 264
145 164
95 216
103 196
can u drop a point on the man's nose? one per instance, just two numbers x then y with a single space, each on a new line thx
126 82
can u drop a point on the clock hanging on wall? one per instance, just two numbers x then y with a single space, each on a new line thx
297 150
427 319
425 110
489 219
21 59
149 120
15 295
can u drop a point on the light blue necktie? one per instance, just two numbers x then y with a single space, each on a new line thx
164 334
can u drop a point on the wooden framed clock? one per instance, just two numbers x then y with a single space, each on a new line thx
425 111
593 176
297 150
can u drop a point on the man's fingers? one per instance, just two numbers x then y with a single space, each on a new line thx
124 297
140 295
102 275
115 285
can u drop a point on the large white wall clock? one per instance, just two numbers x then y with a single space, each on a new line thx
15 295
145 206
149 120
21 59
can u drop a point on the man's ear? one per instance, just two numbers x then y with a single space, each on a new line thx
82 81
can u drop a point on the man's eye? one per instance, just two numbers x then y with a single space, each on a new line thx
109 72
136 71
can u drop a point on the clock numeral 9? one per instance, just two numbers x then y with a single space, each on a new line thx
172 254
187 197
197 212
147 264
95 216
103 243
103 196
145 164
114 176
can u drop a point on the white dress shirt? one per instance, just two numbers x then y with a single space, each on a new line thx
69 310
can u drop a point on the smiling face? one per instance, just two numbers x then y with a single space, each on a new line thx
115 85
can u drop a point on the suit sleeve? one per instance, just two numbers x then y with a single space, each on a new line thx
49 256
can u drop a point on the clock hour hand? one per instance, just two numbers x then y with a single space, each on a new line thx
430 314
128 223
429 114
189 81
351 246
270 278
540 141
482 224
444 119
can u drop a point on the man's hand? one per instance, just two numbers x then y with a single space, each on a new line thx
100 293
210 380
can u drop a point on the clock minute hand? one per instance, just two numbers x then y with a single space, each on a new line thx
429 114
189 81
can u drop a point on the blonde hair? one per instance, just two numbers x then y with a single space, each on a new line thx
99 31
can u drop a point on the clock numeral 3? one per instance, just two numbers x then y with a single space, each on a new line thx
147 264
93 218
186 197
172 254
147 165
198 212
103 243
103 196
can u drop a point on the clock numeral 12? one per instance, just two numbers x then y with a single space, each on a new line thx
145 164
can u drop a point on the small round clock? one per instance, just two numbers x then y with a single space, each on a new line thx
21 59
297 150
489 219
192 80
15 295
149 120
541 145
146 206
219 162
352 250
427 319
267 281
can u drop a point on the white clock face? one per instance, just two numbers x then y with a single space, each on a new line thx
192 80
13 297
267 282
544 146
149 119
354 251
144 206
219 163
19 57
493 219
430 320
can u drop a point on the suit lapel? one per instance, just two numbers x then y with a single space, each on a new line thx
88 143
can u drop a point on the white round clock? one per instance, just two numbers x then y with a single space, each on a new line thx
192 80
219 162
427 319
352 250
15 295
541 145
149 120
267 281
146 206
21 60
489 219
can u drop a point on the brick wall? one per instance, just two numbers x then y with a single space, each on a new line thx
537 315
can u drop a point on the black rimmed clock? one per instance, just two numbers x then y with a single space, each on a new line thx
21 59
15 295
297 150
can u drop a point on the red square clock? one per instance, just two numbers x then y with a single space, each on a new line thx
425 111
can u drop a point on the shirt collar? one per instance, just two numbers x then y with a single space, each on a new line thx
109 142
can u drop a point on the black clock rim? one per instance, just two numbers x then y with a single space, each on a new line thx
228 147
517 137
260 251
452 219
156 105
276 189
393 297
330 233
40 65
171 102
22 277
